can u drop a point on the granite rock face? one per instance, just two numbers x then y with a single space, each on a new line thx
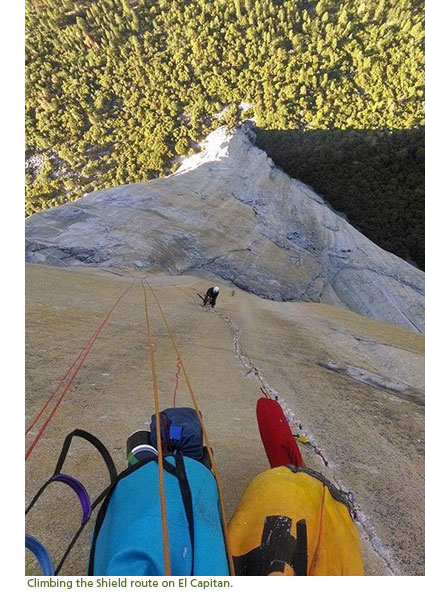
229 211
353 386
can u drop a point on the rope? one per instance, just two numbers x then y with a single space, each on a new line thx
177 382
51 396
83 356
165 542
207 444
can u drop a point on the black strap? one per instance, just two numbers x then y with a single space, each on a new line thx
102 512
97 526
300 555
80 529
38 494
187 501
80 433
179 472
113 475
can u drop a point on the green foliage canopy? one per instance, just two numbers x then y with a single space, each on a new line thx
116 89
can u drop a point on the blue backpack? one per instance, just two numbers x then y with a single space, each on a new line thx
180 431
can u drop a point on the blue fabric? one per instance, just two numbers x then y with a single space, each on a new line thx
129 542
176 432
190 441
41 554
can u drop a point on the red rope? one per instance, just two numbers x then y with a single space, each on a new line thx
83 356
64 377
177 382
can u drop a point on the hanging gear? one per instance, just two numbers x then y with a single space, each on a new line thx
87 507
124 540
206 516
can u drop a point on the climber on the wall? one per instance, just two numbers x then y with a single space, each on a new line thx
211 296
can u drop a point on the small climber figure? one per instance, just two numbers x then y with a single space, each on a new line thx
211 296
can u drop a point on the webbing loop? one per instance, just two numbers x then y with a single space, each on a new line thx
81 492
41 554
87 507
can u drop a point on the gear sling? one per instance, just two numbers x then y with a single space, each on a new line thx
126 537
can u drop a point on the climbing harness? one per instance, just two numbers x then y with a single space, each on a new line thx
72 373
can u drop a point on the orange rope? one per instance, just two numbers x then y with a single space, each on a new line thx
165 541
207 444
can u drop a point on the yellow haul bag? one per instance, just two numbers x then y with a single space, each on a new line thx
291 521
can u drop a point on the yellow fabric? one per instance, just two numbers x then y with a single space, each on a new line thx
332 541
303 439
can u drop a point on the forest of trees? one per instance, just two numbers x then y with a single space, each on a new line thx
377 178
116 89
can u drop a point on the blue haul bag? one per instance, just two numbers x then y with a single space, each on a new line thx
127 539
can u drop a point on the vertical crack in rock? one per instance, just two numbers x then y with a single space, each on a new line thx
253 370
378 546
366 527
